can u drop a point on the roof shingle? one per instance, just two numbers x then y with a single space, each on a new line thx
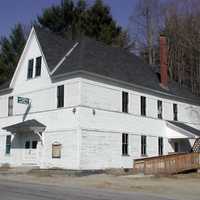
97 58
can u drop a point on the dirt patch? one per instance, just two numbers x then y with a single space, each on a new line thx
175 187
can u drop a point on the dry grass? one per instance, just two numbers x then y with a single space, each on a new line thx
177 187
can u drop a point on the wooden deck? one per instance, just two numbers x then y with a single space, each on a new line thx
169 164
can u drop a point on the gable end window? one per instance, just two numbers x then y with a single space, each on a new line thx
8 144
124 144
159 109
143 106
125 102
143 145
175 112
10 106
60 96
38 66
30 69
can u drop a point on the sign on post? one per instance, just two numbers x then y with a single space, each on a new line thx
23 100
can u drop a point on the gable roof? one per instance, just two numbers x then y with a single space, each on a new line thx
97 58
54 47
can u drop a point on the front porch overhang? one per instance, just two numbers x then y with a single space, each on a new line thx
26 126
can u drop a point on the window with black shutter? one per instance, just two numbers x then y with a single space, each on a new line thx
159 109
38 66
125 102
10 106
8 144
60 96
160 146
124 144
30 69
143 106
175 111
143 145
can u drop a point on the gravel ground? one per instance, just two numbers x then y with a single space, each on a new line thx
181 187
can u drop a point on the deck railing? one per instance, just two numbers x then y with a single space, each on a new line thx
169 164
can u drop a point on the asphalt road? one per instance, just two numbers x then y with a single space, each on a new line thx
10 190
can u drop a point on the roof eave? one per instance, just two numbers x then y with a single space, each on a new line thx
6 90
178 98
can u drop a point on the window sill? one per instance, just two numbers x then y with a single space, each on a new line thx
37 77
126 155
33 78
60 107
144 156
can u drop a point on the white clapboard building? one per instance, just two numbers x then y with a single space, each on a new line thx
84 105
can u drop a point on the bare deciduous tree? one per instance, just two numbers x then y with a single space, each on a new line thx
179 20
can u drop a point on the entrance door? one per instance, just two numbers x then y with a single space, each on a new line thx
30 152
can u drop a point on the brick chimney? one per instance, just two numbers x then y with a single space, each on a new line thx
163 62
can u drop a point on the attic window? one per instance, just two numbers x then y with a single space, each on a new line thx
38 66
30 69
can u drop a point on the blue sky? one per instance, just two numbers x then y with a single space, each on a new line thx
24 11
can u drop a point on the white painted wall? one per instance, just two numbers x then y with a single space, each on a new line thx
69 141
101 150
100 95
62 123
91 137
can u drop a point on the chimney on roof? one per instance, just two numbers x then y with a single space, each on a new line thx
163 62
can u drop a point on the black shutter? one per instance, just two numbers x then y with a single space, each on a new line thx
159 109
143 145
10 106
125 102
143 106
38 66
160 146
30 69
60 96
125 144
175 110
